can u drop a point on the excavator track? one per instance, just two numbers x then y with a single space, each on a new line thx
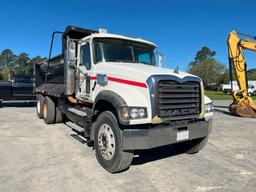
242 109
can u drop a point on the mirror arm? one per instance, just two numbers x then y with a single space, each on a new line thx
72 63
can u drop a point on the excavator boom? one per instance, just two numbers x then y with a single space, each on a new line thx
243 104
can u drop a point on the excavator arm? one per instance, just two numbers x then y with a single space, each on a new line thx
243 105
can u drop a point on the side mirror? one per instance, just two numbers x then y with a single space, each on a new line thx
72 54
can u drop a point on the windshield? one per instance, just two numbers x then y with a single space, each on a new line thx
120 50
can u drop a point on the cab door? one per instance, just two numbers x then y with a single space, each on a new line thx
84 72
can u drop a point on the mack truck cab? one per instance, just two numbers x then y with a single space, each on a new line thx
110 88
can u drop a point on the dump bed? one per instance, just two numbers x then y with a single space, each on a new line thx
57 77
50 80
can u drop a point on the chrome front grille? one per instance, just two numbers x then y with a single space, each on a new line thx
178 100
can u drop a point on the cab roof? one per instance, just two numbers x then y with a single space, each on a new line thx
74 32
110 35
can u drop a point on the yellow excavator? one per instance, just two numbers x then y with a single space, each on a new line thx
243 104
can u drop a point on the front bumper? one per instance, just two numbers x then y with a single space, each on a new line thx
162 135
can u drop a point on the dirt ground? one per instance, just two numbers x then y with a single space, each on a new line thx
39 157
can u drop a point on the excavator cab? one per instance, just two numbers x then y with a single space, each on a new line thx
243 104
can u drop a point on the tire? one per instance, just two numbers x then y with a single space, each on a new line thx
194 146
49 111
59 117
115 159
39 106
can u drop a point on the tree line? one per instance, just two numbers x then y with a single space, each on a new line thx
11 63
205 65
211 71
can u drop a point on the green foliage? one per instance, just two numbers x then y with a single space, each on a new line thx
251 74
36 59
7 58
5 73
22 60
219 95
207 67
224 79
12 64
204 53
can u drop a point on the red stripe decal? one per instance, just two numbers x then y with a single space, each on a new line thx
128 82
124 81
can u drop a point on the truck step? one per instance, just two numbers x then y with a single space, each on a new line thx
77 112
75 127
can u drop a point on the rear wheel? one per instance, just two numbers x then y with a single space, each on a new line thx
39 106
108 144
49 111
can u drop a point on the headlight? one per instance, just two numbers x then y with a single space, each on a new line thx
208 107
142 112
127 113
124 113
134 113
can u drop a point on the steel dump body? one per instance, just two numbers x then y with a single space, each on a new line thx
55 76
50 79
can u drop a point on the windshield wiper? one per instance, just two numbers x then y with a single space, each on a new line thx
142 62
126 61
121 60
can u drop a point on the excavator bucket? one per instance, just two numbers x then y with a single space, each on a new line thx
242 109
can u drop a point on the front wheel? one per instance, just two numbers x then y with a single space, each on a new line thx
108 144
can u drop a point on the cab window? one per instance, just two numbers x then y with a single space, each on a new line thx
85 56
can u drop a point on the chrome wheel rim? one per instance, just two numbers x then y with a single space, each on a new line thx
106 141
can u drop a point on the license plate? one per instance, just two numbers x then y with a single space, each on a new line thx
182 135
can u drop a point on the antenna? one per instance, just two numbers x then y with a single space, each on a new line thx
176 69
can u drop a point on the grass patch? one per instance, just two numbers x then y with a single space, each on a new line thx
219 95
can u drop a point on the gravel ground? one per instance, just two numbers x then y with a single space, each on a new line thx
39 157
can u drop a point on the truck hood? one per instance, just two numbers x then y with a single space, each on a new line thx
136 71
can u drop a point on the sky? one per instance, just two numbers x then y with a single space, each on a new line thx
179 27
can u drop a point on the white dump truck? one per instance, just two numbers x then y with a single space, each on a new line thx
110 88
